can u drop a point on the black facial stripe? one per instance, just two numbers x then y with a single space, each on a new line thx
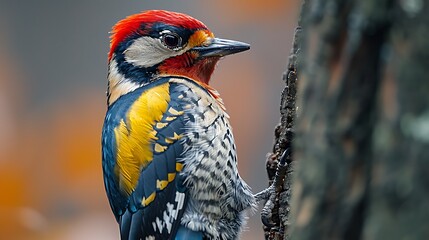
128 70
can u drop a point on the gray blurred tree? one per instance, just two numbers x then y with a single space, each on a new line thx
361 142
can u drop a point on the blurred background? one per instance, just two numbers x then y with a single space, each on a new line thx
53 71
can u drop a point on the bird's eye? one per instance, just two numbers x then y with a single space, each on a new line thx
171 40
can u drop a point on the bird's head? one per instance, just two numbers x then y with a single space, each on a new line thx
157 43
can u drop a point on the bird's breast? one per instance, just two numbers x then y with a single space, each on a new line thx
210 158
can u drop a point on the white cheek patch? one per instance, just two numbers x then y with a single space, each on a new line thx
148 51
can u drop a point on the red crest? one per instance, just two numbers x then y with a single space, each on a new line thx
132 24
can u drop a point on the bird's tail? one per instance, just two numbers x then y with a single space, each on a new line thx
187 234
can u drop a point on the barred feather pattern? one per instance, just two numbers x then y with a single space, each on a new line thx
218 195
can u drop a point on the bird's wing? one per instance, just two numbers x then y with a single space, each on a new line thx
142 149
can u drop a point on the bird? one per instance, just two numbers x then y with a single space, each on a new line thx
168 154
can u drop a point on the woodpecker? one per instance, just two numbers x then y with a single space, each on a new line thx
168 153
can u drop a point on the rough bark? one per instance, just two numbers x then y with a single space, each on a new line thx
362 132
279 163
361 141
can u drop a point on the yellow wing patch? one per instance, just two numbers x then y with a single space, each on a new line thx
159 148
161 184
179 167
171 177
175 112
172 139
148 200
135 135
161 125
170 118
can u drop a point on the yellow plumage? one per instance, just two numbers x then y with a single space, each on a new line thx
135 135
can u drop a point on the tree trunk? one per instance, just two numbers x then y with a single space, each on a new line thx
362 131
361 146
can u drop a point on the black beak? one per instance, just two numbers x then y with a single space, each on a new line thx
221 47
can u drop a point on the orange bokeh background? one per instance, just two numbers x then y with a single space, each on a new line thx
52 104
